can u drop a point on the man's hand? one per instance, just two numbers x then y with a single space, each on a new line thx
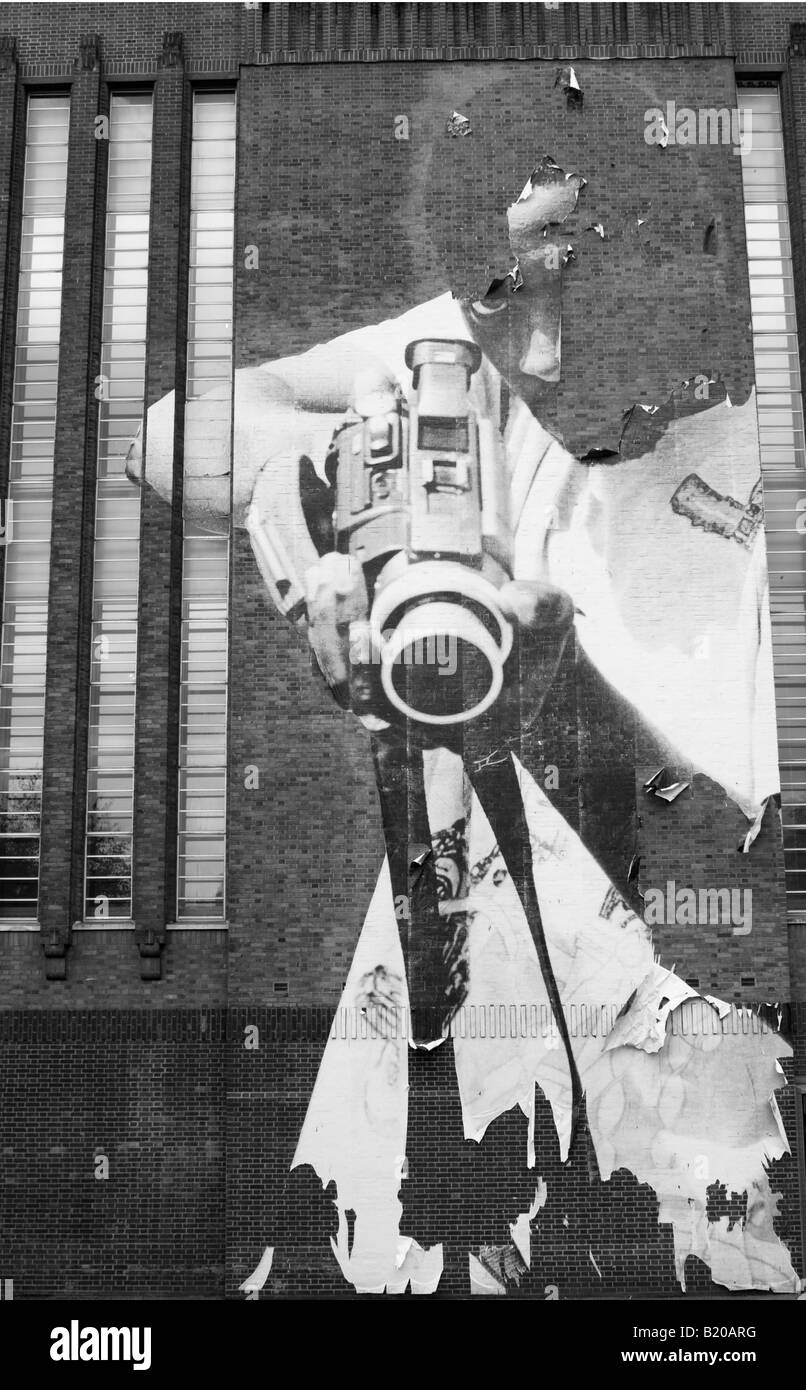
296 405
336 595
543 614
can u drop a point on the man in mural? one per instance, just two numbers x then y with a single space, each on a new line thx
510 887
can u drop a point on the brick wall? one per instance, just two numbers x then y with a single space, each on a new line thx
199 1130
129 33
144 1089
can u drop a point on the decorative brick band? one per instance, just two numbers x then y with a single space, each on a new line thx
304 1024
61 72
101 1026
496 53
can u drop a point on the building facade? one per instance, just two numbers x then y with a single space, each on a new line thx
556 1049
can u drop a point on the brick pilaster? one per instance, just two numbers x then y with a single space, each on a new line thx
158 674
65 749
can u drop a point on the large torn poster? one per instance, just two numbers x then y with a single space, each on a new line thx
517 520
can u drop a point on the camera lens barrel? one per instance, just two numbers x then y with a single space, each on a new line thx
435 625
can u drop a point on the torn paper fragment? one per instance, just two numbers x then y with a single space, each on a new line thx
520 1229
671 792
661 786
494 300
547 198
643 1024
504 1266
418 855
752 833
693 1114
259 1275
426 1275
777 1116
426 1044
458 124
594 961
540 1199
681 1118
496 1072
597 228
567 80
339 1246
745 1255
481 1280
416 1266
721 1007
356 1124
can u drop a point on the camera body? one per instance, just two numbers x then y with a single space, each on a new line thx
421 504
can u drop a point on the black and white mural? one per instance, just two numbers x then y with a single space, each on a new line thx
519 524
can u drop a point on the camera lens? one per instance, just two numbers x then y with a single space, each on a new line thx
442 675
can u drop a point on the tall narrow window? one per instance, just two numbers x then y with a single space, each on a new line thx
29 503
120 388
205 570
783 459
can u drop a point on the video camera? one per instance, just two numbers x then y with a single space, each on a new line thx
418 497
421 500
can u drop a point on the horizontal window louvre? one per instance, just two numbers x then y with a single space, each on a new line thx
116 559
201 845
28 506
783 453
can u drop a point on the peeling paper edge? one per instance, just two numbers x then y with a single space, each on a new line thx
754 828
527 1107
258 1277
658 1010
779 1122
423 1282
520 1229
430 1285
429 1047
481 1280
720 1005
